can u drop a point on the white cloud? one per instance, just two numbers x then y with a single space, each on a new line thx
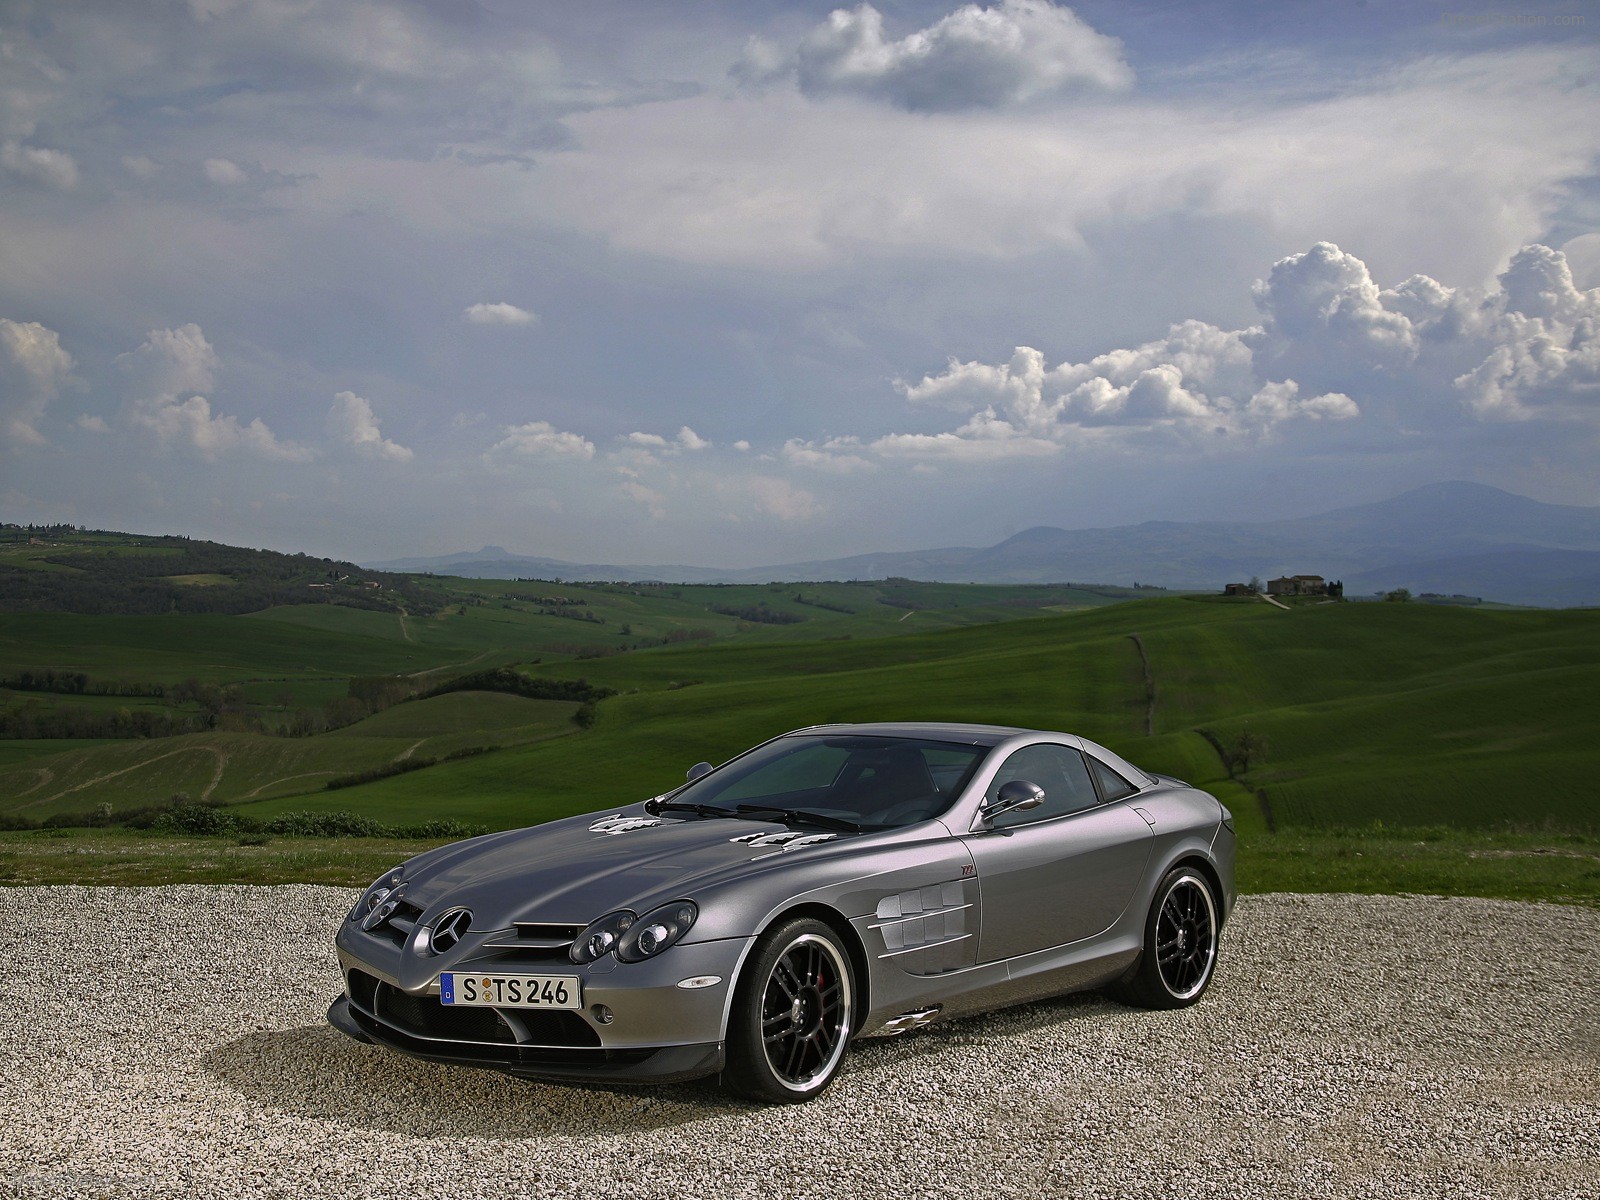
351 421
225 172
1324 303
499 314
1545 335
838 455
688 439
742 446
53 168
540 439
91 423
771 496
976 57
652 443
1420 353
171 363
139 166
1454 161
649 497
33 371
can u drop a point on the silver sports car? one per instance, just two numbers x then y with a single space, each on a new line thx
837 882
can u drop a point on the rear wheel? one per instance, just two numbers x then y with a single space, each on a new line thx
793 1011
1180 944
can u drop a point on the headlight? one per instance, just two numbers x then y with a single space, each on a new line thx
655 931
376 894
601 937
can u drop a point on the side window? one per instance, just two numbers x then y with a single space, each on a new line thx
1059 770
1112 785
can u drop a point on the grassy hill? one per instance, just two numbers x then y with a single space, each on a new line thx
131 707
1404 714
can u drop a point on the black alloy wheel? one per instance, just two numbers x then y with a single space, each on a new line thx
1179 955
794 1012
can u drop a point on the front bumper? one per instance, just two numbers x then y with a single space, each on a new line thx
658 1032
667 1064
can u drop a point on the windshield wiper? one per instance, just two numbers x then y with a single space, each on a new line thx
699 810
798 816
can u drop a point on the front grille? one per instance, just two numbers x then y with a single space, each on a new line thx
363 990
425 1017
503 1056
532 931
560 1027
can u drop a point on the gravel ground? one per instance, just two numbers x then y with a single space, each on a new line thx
170 1042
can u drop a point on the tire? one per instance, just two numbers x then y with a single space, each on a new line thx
793 1013
1179 957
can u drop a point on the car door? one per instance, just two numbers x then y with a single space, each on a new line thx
1060 872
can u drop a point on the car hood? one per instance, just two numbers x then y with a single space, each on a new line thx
572 871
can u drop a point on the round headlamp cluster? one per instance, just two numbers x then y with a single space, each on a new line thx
600 937
634 939
375 895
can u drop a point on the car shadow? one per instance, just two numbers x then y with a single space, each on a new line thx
318 1073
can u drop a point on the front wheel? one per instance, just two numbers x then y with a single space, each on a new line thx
1180 944
793 1012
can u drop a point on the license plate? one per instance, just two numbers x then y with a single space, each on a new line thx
510 991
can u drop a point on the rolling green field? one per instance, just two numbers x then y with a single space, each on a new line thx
1409 715
1393 745
1404 714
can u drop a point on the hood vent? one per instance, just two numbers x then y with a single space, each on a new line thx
622 824
788 840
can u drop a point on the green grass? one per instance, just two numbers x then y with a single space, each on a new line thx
1408 714
1418 717
244 767
211 648
1428 862
125 859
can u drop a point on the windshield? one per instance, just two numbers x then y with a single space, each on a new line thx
873 782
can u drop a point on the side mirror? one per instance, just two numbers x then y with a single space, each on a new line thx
699 769
1017 796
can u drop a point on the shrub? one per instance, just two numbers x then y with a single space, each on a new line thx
196 819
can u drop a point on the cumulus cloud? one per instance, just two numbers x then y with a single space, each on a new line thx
91 423
975 58
771 496
1332 346
838 455
224 172
499 314
53 168
1545 335
652 443
351 421
167 372
33 371
541 440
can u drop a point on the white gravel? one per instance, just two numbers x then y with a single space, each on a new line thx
171 1042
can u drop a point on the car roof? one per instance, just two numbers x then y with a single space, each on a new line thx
944 731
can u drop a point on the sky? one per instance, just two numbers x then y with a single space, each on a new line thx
736 284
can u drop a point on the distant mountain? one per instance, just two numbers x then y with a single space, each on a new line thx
1479 540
